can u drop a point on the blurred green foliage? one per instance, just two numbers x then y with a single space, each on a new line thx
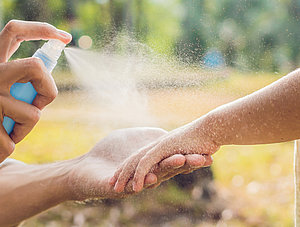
251 34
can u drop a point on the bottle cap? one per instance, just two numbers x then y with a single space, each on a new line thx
53 48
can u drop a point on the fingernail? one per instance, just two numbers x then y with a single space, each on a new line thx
65 34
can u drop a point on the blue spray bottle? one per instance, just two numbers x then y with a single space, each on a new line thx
49 54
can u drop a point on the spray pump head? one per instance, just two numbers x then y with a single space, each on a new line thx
53 48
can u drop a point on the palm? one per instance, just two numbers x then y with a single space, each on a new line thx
90 177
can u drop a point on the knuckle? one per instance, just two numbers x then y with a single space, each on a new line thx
11 26
34 67
47 29
35 115
53 93
8 147
2 100
36 63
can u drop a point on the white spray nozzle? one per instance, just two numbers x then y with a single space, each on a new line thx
53 48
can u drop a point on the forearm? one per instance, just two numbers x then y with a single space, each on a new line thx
30 189
269 115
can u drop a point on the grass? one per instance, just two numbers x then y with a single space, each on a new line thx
255 181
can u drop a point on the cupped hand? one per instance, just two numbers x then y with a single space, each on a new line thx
24 70
90 174
190 140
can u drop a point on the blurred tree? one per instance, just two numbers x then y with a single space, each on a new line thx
141 21
259 35
293 31
193 40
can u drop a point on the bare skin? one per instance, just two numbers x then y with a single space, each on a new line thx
270 115
24 70
29 189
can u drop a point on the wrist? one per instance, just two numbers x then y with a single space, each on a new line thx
54 178
72 181
64 178
210 126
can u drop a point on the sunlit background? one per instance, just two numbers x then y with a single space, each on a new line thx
210 52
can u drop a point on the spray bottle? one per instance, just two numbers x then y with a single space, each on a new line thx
49 54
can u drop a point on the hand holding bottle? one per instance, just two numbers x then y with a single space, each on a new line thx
21 71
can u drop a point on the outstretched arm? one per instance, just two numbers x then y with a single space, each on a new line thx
270 115
27 190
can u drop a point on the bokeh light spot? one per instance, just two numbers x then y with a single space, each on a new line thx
85 42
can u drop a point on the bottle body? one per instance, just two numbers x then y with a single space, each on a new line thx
25 91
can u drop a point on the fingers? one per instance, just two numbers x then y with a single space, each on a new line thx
7 146
29 70
25 115
125 175
41 101
141 164
174 162
143 167
168 165
17 31
150 179
208 160
126 171
166 169
195 161
192 163
152 157
114 179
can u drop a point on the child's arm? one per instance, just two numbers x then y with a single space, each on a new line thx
269 115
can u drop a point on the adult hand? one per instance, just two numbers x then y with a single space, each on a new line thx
24 70
189 140
90 174
39 187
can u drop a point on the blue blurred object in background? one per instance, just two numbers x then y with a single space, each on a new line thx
213 59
